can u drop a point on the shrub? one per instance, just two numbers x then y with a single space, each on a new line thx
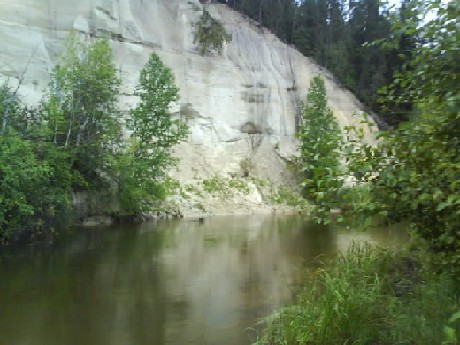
35 177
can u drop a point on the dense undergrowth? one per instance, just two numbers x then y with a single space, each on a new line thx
370 296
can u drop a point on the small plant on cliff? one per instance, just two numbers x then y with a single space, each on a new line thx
320 149
209 34
286 196
143 166
225 188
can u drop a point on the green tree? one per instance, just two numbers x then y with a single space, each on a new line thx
394 110
143 178
414 170
321 138
81 107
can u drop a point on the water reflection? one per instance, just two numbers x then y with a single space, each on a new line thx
175 282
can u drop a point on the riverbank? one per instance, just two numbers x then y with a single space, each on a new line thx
200 198
370 296
218 196
208 209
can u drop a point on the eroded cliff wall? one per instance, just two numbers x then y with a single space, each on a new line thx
241 106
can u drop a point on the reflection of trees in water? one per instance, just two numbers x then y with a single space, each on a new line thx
101 288
319 241
156 283
274 262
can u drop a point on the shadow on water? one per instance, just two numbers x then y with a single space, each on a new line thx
170 282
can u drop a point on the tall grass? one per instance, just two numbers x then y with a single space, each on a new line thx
367 296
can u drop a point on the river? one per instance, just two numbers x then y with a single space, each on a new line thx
167 282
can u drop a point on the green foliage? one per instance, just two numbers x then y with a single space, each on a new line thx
414 170
10 108
286 196
81 107
142 167
219 188
73 141
225 188
321 138
34 175
214 185
209 34
436 41
354 198
450 333
367 296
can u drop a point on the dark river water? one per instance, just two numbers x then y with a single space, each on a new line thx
172 282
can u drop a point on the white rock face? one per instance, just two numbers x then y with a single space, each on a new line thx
240 106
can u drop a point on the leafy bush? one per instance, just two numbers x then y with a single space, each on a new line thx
225 187
287 196
34 176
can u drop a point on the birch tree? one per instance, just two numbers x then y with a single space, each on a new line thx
81 107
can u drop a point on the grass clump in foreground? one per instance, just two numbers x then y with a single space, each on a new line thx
370 296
